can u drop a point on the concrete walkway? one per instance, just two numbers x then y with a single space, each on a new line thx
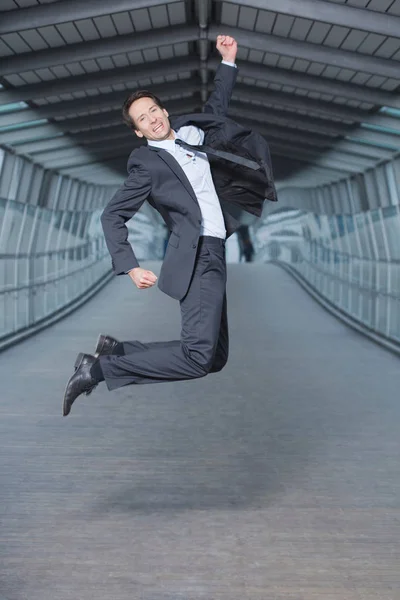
276 479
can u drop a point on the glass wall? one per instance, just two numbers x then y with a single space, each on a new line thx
52 249
350 258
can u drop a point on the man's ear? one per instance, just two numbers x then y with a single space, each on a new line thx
138 133
165 112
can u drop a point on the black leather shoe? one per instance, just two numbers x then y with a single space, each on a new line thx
105 345
81 382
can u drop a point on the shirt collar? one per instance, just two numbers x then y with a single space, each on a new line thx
165 144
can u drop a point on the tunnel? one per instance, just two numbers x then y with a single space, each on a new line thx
278 476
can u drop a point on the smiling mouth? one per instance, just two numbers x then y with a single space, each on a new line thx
158 128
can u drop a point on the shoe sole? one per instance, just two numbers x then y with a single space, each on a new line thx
77 364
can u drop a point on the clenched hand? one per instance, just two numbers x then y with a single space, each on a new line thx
227 47
142 278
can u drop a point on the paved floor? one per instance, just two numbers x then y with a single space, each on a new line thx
276 479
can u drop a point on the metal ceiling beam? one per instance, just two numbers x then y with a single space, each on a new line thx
68 140
93 150
177 34
96 167
60 141
304 126
335 14
298 120
104 138
363 150
203 12
313 52
242 92
114 163
320 175
28 134
270 97
313 83
86 122
280 117
304 155
312 159
81 105
133 74
95 49
111 169
279 135
67 11
77 161
67 125
91 140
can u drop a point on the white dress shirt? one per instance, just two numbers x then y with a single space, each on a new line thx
197 169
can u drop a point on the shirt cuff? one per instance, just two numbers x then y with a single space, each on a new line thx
230 64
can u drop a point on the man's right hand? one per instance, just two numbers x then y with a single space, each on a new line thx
142 278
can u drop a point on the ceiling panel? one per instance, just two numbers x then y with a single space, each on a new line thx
69 32
141 19
395 8
265 21
87 30
8 5
231 14
282 26
301 29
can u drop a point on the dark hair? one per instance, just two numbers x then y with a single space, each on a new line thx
131 99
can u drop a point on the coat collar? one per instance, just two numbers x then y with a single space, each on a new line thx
175 167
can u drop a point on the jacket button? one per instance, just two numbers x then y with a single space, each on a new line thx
199 221
194 246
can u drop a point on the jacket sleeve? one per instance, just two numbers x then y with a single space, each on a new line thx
122 206
224 81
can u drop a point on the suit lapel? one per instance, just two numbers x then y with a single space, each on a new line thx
176 168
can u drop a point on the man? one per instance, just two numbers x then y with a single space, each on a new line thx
177 180
246 247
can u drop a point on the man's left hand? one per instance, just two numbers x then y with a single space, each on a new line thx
227 47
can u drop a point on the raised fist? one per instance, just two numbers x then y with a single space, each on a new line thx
227 47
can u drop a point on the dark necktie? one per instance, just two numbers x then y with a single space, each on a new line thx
251 164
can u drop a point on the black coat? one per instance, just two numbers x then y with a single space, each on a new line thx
235 184
165 186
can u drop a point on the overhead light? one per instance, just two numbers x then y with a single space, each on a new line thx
393 112
22 125
14 107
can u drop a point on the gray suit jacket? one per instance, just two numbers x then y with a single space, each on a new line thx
155 176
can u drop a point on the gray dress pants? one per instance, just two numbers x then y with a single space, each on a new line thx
204 343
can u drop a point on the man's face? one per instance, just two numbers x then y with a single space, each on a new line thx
150 120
